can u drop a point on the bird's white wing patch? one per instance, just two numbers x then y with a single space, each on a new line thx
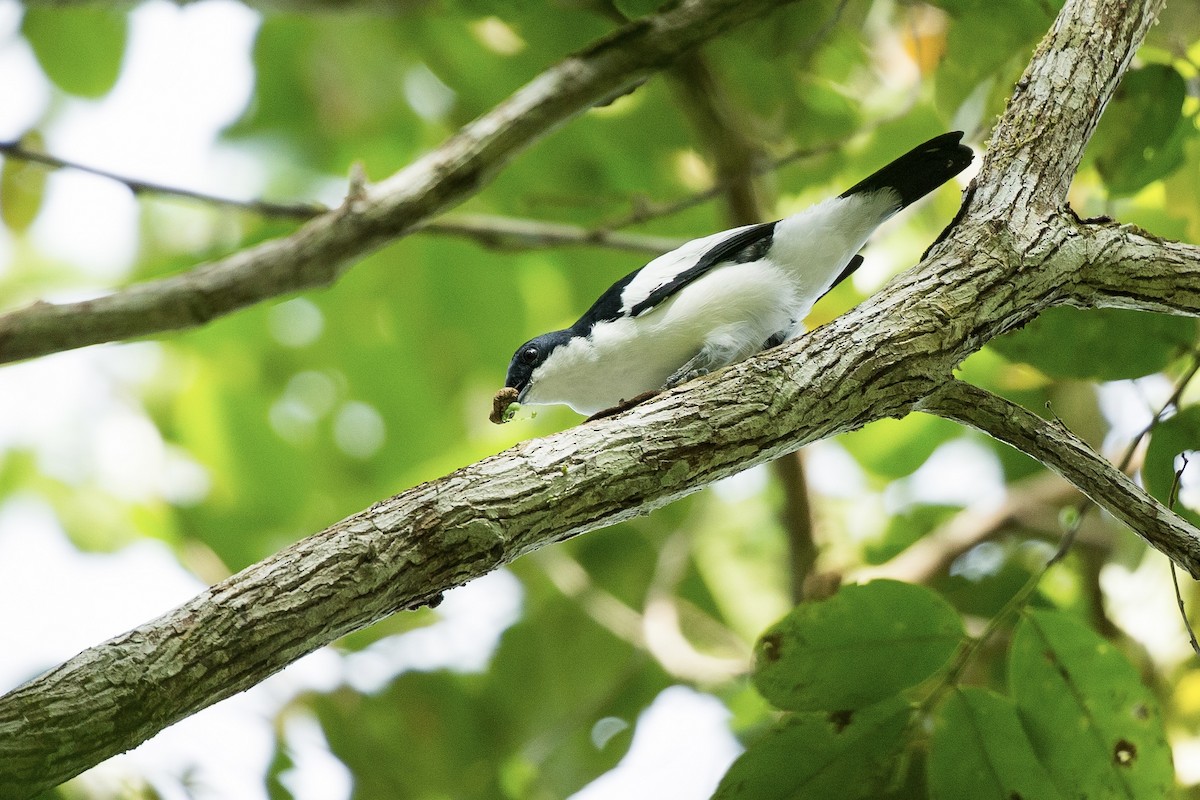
663 269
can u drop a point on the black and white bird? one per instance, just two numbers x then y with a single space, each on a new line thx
722 298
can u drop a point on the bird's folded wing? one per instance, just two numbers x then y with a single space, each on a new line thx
746 244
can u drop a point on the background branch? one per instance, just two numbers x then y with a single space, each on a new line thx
263 208
513 233
646 211
1035 503
489 230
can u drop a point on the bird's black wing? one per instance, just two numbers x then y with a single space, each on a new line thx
854 264
750 244
606 308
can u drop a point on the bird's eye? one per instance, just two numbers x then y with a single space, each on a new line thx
529 355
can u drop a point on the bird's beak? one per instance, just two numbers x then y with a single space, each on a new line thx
524 390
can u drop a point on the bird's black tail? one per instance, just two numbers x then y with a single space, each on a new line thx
921 170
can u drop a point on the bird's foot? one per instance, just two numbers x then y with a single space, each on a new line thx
686 373
624 405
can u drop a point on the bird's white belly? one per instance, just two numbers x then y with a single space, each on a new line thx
735 307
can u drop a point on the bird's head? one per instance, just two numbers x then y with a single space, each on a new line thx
528 362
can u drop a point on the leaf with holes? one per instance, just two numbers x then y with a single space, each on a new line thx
979 750
1092 723
856 648
847 755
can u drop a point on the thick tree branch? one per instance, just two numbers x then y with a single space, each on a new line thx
1056 105
995 270
1133 269
1071 457
1034 503
405 551
320 251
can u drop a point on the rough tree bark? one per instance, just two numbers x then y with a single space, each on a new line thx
1014 250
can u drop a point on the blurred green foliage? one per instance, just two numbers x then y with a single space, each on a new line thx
864 644
307 409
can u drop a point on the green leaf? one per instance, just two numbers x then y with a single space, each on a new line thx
1093 724
1140 137
281 762
80 49
979 751
424 735
1179 434
22 185
856 648
1103 344
845 755
894 448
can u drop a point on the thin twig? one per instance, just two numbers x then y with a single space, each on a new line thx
298 211
646 211
1182 610
1171 499
819 35
489 230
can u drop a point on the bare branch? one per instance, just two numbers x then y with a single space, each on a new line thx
1071 457
1034 503
488 230
321 250
645 211
723 133
512 233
